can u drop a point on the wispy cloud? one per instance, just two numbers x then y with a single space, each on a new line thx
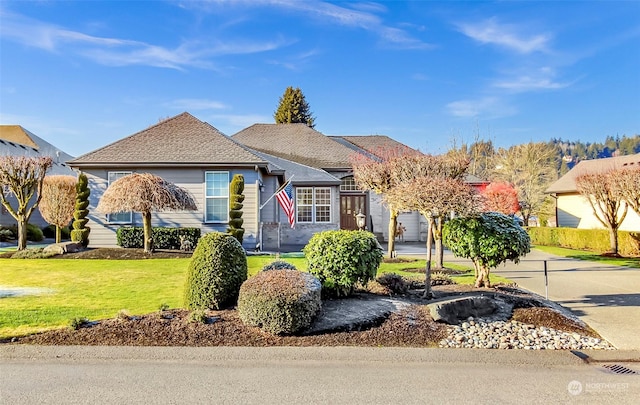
357 15
486 107
505 35
539 79
124 52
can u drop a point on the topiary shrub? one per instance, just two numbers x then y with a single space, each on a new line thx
80 232
236 197
279 265
217 269
282 302
342 259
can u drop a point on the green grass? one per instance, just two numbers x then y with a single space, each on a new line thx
633 262
99 289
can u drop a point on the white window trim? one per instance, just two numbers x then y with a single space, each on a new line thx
228 197
313 205
130 221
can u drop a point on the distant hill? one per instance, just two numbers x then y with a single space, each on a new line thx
571 152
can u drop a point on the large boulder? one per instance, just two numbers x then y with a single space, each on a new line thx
63 247
455 310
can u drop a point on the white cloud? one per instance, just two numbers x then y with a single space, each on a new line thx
540 79
123 52
505 35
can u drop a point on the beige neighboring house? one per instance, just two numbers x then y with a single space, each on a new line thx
573 210
17 141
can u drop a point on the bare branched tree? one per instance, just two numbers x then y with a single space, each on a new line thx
58 201
22 177
144 193
628 187
601 191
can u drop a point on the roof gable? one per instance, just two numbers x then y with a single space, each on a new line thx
17 134
297 143
567 183
182 139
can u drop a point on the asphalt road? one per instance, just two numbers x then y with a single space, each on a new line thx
116 375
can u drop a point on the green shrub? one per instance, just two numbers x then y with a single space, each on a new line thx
595 240
80 232
78 322
34 234
236 197
163 238
341 259
50 232
6 234
217 269
394 282
32 253
282 302
198 316
440 278
278 265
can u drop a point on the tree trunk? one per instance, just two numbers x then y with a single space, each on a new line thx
483 277
439 248
58 234
146 225
393 223
22 235
428 294
613 241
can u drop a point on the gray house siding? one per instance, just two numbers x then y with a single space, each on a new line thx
103 233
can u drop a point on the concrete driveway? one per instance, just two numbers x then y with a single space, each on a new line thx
605 297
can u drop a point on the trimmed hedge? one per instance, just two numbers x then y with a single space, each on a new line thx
281 302
342 259
163 237
595 240
217 269
278 265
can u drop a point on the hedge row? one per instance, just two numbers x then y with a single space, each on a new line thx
163 238
596 240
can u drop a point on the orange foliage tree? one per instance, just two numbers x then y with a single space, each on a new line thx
501 197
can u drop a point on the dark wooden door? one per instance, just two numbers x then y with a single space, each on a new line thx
350 205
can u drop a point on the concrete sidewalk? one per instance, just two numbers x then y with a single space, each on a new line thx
607 298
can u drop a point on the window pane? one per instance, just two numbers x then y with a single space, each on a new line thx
120 217
323 196
348 184
304 196
323 213
304 214
216 197
216 210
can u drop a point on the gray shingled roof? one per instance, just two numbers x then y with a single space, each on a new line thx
567 183
373 143
299 173
297 143
181 140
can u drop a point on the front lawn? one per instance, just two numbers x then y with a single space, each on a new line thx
98 289
633 262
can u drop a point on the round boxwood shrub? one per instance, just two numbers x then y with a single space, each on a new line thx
281 302
278 265
217 269
341 259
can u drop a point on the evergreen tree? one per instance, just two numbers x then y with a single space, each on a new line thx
293 108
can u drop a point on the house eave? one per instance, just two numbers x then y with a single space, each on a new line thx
112 165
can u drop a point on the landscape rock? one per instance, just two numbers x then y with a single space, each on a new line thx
63 247
456 310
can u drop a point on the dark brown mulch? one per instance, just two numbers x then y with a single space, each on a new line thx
412 327
547 317
124 254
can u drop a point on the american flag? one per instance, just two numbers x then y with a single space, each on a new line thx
285 198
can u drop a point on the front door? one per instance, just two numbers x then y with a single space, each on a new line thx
350 205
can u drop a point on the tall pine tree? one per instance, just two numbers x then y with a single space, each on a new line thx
293 108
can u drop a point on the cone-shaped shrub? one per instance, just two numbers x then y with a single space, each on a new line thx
80 232
236 188
217 269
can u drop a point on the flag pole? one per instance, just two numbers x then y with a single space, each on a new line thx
277 191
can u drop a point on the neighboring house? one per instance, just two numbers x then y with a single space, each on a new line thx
17 141
573 210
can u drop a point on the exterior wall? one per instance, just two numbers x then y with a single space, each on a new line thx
274 235
574 211
7 220
103 234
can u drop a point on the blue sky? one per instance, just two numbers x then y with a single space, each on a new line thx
427 73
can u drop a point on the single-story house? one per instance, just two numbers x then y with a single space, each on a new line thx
573 210
17 141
